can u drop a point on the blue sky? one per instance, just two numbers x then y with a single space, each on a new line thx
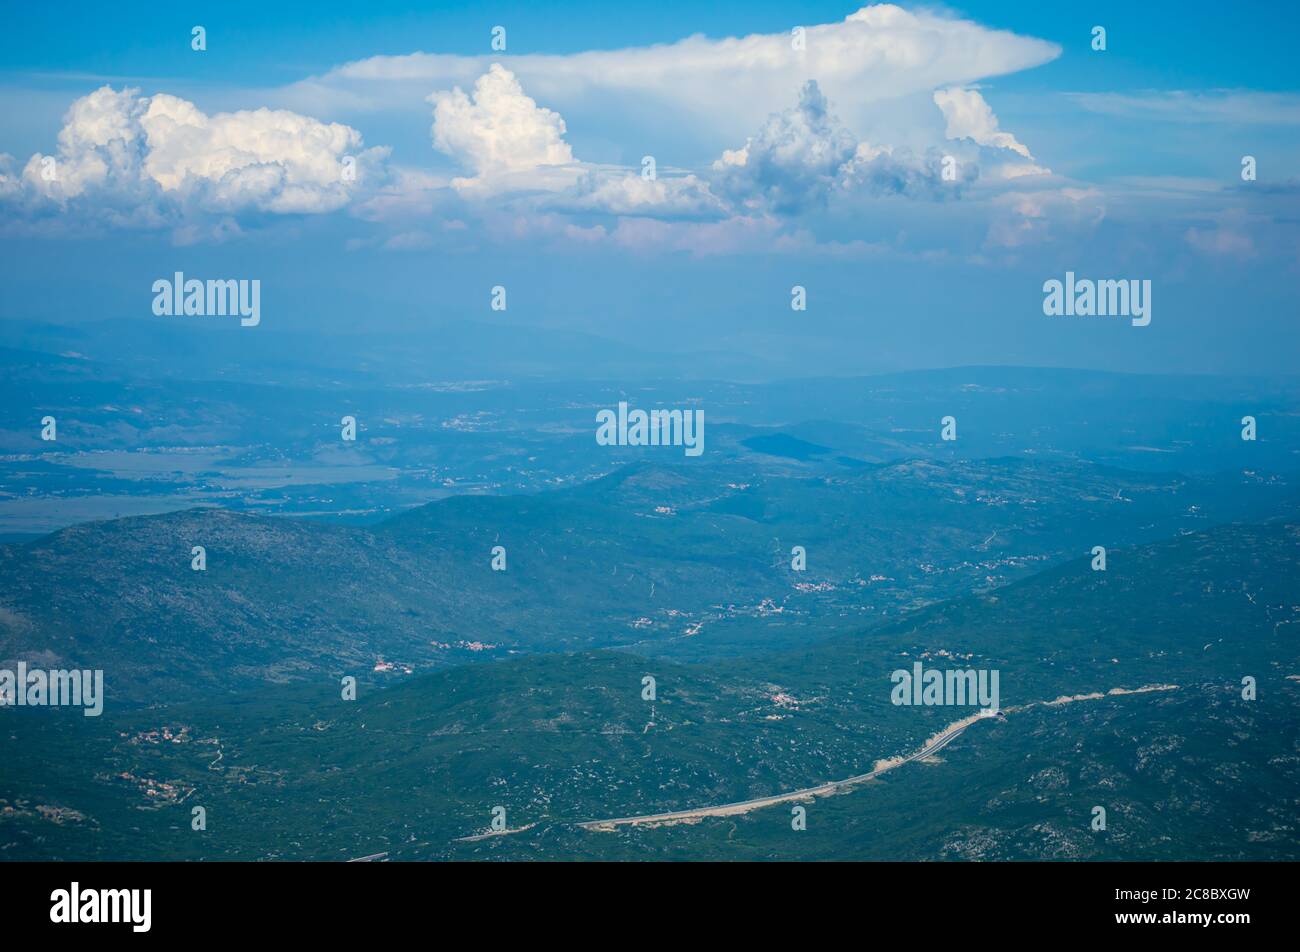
1157 44
524 168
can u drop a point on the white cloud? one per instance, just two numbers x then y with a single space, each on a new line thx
716 90
1015 170
885 170
794 159
970 117
620 192
513 145
148 161
804 155
502 121
498 131
277 161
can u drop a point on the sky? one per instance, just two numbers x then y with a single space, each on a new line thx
666 176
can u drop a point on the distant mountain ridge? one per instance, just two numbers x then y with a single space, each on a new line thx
690 561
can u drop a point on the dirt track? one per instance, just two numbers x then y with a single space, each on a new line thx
931 746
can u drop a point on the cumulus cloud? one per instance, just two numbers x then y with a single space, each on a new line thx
884 170
499 132
804 155
150 161
277 161
10 182
514 145
970 117
154 161
620 192
797 159
793 161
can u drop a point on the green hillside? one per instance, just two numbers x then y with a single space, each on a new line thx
410 768
688 562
